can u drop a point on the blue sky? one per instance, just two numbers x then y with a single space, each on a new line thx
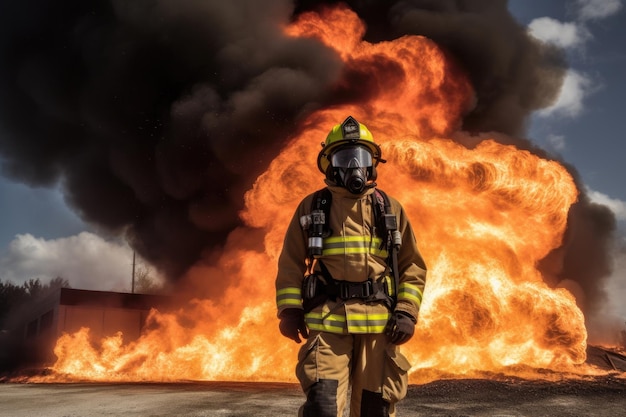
584 127
586 130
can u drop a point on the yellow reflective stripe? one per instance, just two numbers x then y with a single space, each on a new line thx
342 245
325 316
360 329
371 317
352 241
367 323
390 286
332 323
341 251
289 296
288 290
341 239
353 323
288 302
347 250
325 327
410 292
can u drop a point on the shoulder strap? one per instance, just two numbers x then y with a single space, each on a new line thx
388 224
322 199
383 214
381 207
383 199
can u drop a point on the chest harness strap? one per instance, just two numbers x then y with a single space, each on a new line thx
319 287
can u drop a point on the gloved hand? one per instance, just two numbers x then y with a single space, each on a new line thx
292 324
400 327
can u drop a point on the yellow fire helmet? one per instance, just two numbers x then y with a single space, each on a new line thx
348 132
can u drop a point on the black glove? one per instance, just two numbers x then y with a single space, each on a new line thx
400 327
292 324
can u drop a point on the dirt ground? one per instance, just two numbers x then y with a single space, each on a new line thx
605 396
491 396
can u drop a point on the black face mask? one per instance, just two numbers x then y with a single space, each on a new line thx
353 179
351 168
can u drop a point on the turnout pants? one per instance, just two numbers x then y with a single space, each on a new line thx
329 363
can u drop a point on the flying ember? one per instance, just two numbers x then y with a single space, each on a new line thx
484 216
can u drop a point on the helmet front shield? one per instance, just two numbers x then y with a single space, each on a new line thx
351 157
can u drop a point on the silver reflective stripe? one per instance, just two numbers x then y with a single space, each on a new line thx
315 242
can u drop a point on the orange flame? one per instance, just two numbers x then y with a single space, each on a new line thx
484 217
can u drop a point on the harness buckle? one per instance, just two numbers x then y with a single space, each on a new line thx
348 290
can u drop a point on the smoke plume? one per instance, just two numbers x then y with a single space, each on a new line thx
156 116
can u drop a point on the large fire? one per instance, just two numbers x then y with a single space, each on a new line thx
484 217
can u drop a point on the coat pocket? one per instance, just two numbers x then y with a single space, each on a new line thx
396 377
306 368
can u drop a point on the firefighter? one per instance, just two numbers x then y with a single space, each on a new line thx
350 282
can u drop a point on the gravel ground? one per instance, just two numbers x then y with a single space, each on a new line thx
605 396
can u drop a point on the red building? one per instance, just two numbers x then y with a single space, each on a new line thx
30 339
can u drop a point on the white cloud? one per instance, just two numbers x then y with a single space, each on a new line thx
564 35
618 207
598 9
86 260
570 35
556 142
576 86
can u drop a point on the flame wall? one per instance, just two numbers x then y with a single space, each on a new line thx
484 217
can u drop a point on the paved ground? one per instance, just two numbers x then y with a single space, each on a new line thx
604 396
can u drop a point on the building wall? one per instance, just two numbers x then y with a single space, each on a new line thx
68 310
102 322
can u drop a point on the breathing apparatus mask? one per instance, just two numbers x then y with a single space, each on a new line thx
352 167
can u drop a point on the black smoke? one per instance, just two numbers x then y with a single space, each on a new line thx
157 115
